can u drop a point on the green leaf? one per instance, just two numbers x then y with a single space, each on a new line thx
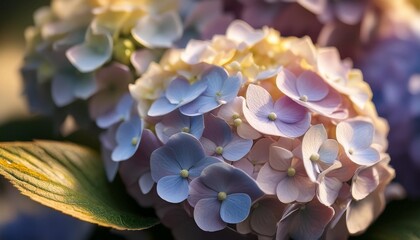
400 220
71 179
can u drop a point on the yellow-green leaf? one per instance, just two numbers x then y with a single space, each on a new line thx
71 179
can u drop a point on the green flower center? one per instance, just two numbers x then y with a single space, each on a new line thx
221 196
237 122
123 48
184 173
303 98
185 129
314 157
219 150
134 141
272 116
291 172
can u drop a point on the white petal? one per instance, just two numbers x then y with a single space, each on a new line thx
158 31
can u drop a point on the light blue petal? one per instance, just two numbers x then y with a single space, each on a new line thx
215 78
181 92
194 91
197 126
173 188
235 208
146 183
124 136
62 89
207 215
93 53
177 90
161 107
222 177
171 124
163 163
122 112
237 148
198 167
199 106
187 149
231 88
84 86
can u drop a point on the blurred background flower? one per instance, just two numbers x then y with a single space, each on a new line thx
22 218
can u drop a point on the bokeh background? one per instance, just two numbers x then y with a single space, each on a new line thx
21 218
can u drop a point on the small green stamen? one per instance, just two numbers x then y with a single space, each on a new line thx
123 48
272 116
291 172
351 151
303 98
221 196
235 116
219 150
237 122
314 157
185 129
134 141
184 173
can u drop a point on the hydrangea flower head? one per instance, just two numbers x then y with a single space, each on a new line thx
223 130
282 132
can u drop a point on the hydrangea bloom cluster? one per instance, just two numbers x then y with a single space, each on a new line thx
267 135
82 55
395 82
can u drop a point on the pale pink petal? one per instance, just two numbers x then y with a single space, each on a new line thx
286 82
195 51
287 191
280 158
141 60
304 221
361 214
326 106
364 182
245 165
354 133
227 111
365 157
242 33
157 31
312 86
328 151
306 188
328 190
260 104
209 146
260 152
259 100
266 214
262 125
247 132
311 143
290 111
268 179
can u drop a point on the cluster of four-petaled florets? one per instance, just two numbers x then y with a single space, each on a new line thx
209 157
